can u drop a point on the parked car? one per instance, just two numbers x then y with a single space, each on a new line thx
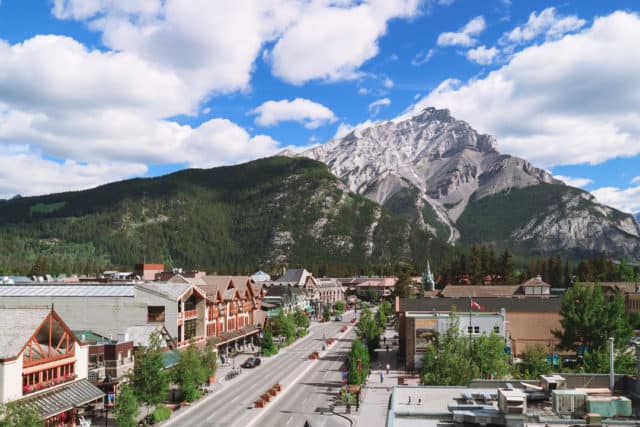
251 362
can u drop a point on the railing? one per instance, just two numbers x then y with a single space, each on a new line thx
190 314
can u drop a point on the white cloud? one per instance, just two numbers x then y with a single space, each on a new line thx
574 181
466 36
422 58
482 55
311 114
567 101
446 2
375 106
388 83
45 176
345 36
363 91
626 200
636 180
546 23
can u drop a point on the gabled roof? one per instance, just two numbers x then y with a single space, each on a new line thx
295 276
141 335
542 304
18 325
536 281
452 291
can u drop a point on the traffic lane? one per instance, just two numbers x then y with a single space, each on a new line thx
239 394
310 399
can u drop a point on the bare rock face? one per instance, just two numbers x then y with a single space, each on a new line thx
430 166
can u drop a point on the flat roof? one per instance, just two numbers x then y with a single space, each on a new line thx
70 290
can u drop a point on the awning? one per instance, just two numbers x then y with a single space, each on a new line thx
231 336
309 309
63 398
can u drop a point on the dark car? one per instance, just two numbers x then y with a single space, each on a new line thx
251 362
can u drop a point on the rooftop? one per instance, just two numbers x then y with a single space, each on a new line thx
69 290
18 325
538 303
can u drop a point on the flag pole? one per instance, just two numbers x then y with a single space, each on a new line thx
470 327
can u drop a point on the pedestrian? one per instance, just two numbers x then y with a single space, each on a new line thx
381 378
388 368
387 347
384 340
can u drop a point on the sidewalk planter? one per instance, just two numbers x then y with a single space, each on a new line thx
278 387
273 392
330 341
353 320
212 380
343 329
259 403
314 355
266 397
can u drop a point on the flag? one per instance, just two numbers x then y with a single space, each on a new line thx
476 305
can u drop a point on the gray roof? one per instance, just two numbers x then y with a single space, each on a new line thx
71 290
18 325
63 398
543 304
292 276
141 335
170 290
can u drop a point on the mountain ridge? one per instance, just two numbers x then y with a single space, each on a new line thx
432 159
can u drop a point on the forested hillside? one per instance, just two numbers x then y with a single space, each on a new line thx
267 214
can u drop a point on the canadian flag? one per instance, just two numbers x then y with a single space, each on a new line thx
476 305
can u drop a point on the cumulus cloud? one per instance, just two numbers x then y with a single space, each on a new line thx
466 36
347 36
345 129
574 181
482 55
375 106
636 180
311 114
624 199
547 23
580 107
46 176
387 83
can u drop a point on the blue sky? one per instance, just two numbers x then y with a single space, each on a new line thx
99 90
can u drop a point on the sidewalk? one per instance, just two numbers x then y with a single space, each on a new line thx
375 398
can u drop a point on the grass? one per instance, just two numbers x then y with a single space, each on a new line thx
46 208
161 413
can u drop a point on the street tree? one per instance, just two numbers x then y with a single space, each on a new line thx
150 380
368 330
126 409
489 357
339 306
190 373
300 319
447 361
17 414
589 319
210 361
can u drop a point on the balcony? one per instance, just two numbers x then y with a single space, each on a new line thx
28 389
187 343
187 314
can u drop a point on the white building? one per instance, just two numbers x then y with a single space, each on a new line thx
44 365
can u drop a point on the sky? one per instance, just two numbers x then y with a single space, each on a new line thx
93 91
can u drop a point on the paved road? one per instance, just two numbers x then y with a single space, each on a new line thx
232 404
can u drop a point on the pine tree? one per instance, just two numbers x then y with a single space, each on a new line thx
476 266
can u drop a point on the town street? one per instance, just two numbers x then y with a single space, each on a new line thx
305 387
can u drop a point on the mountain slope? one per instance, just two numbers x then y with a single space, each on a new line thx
268 213
436 171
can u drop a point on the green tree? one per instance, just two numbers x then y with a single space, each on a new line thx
150 380
447 361
597 361
126 409
300 319
506 266
268 347
339 306
534 361
326 313
210 361
489 357
17 414
368 330
476 265
386 308
284 325
360 353
40 267
589 319
190 373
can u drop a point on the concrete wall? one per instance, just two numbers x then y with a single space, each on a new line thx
82 360
11 380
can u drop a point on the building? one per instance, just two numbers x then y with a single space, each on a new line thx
527 320
328 291
382 287
147 271
189 313
298 277
419 330
287 298
44 365
260 276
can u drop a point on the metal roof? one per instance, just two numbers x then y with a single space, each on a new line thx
71 290
61 399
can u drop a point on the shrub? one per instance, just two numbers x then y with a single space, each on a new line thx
161 413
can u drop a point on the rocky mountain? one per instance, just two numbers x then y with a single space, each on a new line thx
446 177
265 214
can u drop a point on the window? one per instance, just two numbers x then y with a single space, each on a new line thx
469 329
496 329
476 329
155 314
